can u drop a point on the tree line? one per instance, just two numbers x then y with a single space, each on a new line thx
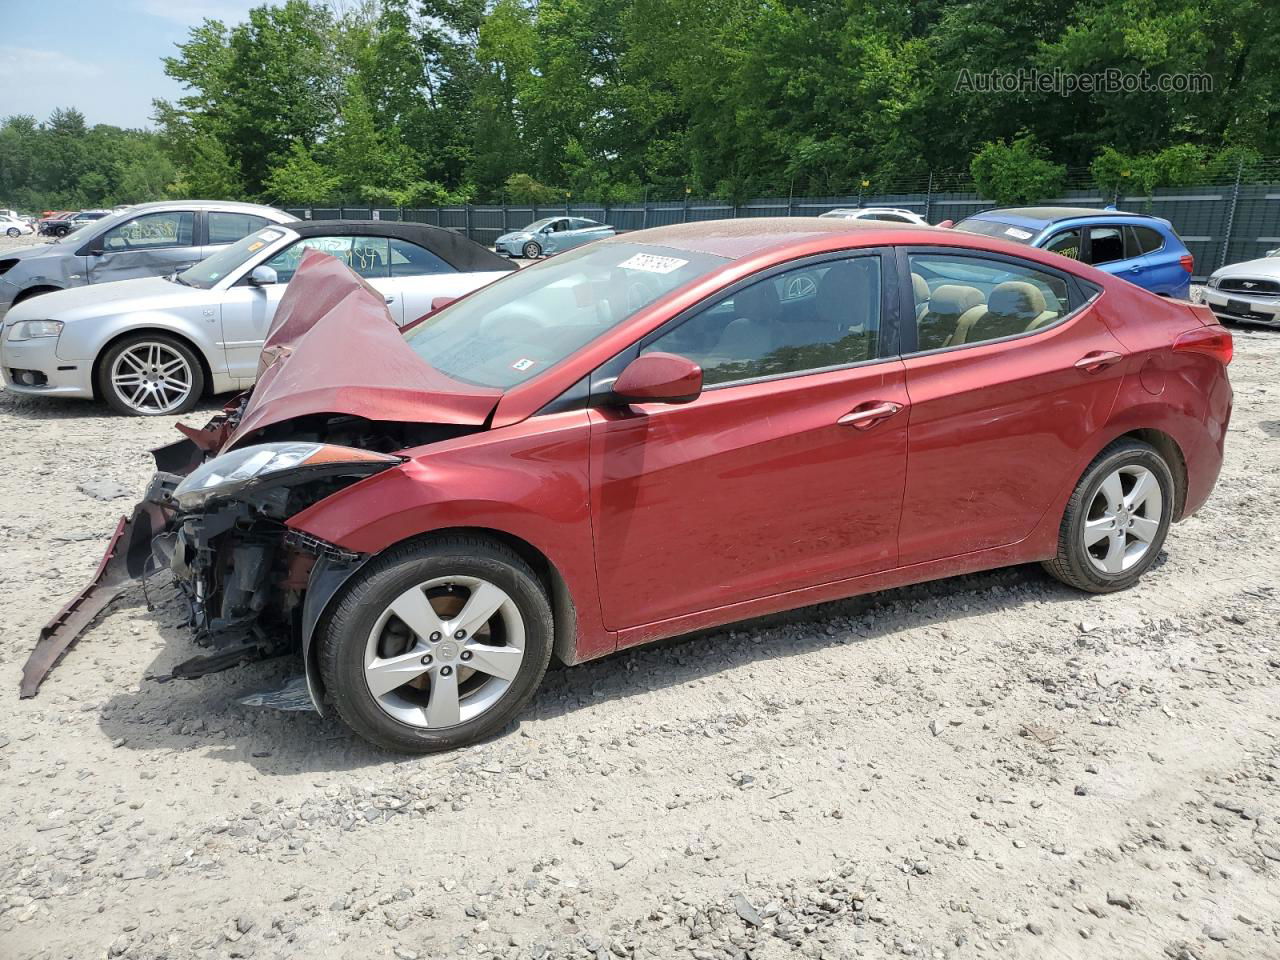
412 102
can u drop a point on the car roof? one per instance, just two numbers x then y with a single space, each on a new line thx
1044 216
451 247
734 239
234 205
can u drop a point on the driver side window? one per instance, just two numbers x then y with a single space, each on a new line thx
151 231
809 318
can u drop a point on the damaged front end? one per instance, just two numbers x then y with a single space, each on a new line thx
254 588
321 417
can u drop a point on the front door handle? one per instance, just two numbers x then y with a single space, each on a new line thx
864 417
390 299
1097 360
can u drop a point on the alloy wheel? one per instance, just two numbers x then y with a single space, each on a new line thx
152 377
444 652
532 251
1123 519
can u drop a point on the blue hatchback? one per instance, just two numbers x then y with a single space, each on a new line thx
1142 249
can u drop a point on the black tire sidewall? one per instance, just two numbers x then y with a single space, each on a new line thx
108 391
344 634
1077 558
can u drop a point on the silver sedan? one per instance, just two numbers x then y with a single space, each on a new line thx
152 346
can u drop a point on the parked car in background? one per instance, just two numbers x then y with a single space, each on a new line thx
551 235
145 241
883 214
1246 292
1142 249
15 226
155 345
68 225
47 222
666 432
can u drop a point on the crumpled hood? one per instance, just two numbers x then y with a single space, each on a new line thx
333 348
514 235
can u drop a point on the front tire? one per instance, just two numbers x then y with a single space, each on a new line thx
532 250
436 644
150 375
1116 520
14 232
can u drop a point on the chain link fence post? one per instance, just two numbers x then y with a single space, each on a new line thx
1231 217
928 199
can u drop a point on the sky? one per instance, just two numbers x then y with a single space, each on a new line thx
102 57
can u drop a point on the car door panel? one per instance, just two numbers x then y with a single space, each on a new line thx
992 426
246 314
748 491
130 250
417 293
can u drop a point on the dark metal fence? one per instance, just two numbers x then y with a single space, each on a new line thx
1221 223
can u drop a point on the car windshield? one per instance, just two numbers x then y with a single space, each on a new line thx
102 222
522 325
537 225
997 228
212 269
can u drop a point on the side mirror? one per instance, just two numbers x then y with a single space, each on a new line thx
262 276
439 303
947 223
659 378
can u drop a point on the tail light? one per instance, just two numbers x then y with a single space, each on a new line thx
1212 340
1188 262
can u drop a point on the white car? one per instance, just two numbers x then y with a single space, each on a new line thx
887 214
155 345
12 226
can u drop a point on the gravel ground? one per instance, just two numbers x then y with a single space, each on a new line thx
989 765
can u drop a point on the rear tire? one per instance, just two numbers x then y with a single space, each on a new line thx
14 232
386 674
1116 520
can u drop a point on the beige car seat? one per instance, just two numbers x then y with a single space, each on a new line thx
921 291
1014 306
947 304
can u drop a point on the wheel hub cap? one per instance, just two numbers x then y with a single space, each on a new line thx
1123 519
444 652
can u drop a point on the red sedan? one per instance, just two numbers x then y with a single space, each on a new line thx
662 432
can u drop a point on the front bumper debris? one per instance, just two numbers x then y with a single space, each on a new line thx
128 558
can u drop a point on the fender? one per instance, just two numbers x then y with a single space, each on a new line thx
528 481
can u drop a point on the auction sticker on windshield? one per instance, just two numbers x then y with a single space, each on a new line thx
1019 234
652 263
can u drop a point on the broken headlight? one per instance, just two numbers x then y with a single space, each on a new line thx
232 472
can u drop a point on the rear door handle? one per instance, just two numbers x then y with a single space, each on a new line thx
1097 360
864 417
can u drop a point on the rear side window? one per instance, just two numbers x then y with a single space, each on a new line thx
1145 240
410 260
964 300
230 227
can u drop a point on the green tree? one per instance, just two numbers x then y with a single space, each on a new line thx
1016 172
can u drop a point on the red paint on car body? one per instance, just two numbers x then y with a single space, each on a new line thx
754 498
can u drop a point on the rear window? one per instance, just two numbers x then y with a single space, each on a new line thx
997 228
1146 239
